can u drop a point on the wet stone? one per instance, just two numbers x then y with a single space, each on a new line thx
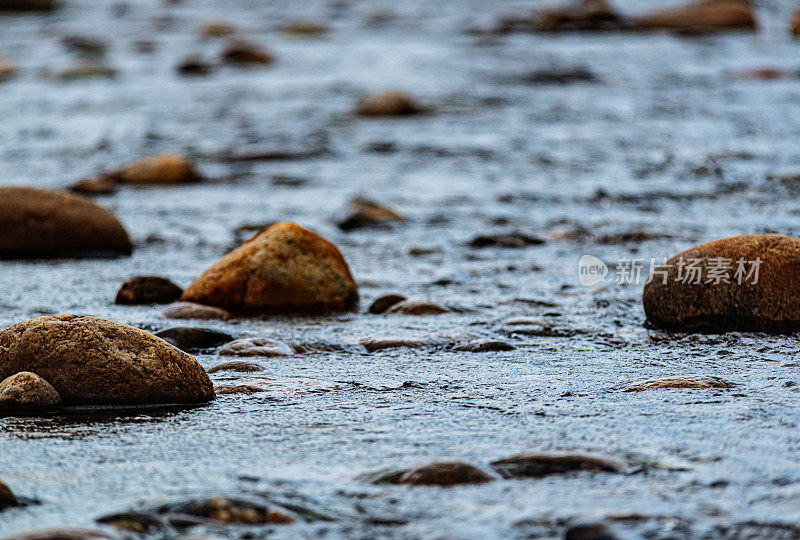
225 389
509 240
537 465
64 533
192 339
304 29
482 346
134 522
230 510
212 29
590 531
148 290
557 75
190 310
27 392
381 304
373 345
7 498
194 65
159 169
445 474
244 53
28 5
236 365
257 346
7 69
366 213
417 307
667 383
84 70
94 186
388 103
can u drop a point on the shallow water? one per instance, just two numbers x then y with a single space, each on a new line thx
665 142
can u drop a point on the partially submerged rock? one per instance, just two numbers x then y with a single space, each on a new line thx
160 169
388 103
7 69
84 70
304 29
134 522
282 269
64 533
382 303
230 510
42 223
192 310
582 15
445 474
482 346
679 382
26 392
217 28
191 339
236 365
194 64
363 213
225 389
701 16
100 185
794 26
28 5
372 345
417 307
7 498
514 239
744 283
537 465
257 346
91 361
244 53
148 290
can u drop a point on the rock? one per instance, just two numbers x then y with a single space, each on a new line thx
510 240
194 65
7 498
211 29
670 382
590 531
582 15
381 304
366 213
445 474
91 361
225 389
191 310
95 186
63 533
28 5
767 300
558 75
27 392
90 46
304 29
42 223
229 510
148 290
418 307
768 73
257 346
236 365
537 465
134 522
84 70
244 53
282 269
795 24
7 69
373 345
701 16
191 339
388 103
482 346
161 169
382 477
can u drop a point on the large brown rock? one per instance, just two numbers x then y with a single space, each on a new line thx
27 392
701 15
40 223
679 299
91 361
282 269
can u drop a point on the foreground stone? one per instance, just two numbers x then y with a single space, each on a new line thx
191 339
768 302
148 290
91 361
161 169
42 223
381 304
65 533
229 510
27 392
256 346
191 310
666 383
282 269
364 213
7 498
389 103
537 465
417 307
701 16
445 474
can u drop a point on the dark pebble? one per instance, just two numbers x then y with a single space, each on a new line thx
148 290
191 339
509 240
485 346
381 304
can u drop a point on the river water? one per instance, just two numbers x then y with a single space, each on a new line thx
663 150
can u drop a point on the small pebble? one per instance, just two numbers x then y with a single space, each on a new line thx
190 310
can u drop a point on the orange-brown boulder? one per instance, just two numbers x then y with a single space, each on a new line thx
282 269
158 169
701 15
743 283
42 223
91 361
